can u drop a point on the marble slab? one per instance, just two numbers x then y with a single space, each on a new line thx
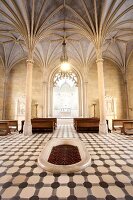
44 155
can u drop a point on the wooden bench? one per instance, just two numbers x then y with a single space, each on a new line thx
86 124
48 119
128 128
4 129
78 119
40 126
90 125
117 124
13 124
75 120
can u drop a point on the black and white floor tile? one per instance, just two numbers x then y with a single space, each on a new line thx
109 177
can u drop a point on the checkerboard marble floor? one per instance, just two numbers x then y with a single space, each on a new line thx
109 177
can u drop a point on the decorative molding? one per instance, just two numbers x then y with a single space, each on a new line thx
30 61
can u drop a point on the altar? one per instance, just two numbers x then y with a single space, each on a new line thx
65 112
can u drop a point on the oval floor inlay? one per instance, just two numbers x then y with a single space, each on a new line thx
82 160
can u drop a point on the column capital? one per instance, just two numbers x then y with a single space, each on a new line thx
99 55
99 60
30 61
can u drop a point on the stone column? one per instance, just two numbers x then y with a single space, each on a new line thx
85 91
51 100
45 102
5 95
27 125
80 101
85 99
126 96
101 90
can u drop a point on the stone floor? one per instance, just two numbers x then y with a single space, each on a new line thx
109 177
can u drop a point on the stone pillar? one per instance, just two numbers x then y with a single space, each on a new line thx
27 125
5 95
126 97
51 100
45 102
85 91
80 100
86 99
101 90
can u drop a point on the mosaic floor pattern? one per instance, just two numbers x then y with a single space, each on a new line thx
109 177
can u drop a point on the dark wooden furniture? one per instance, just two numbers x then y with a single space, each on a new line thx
117 124
75 120
40 126
13 124
127 128
4 128
48 119
88 125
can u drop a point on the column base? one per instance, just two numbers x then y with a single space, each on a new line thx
27 130
103 128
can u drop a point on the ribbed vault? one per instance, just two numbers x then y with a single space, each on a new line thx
34 29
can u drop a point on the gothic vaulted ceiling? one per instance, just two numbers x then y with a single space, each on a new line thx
37 26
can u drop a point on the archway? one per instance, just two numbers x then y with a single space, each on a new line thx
65 94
